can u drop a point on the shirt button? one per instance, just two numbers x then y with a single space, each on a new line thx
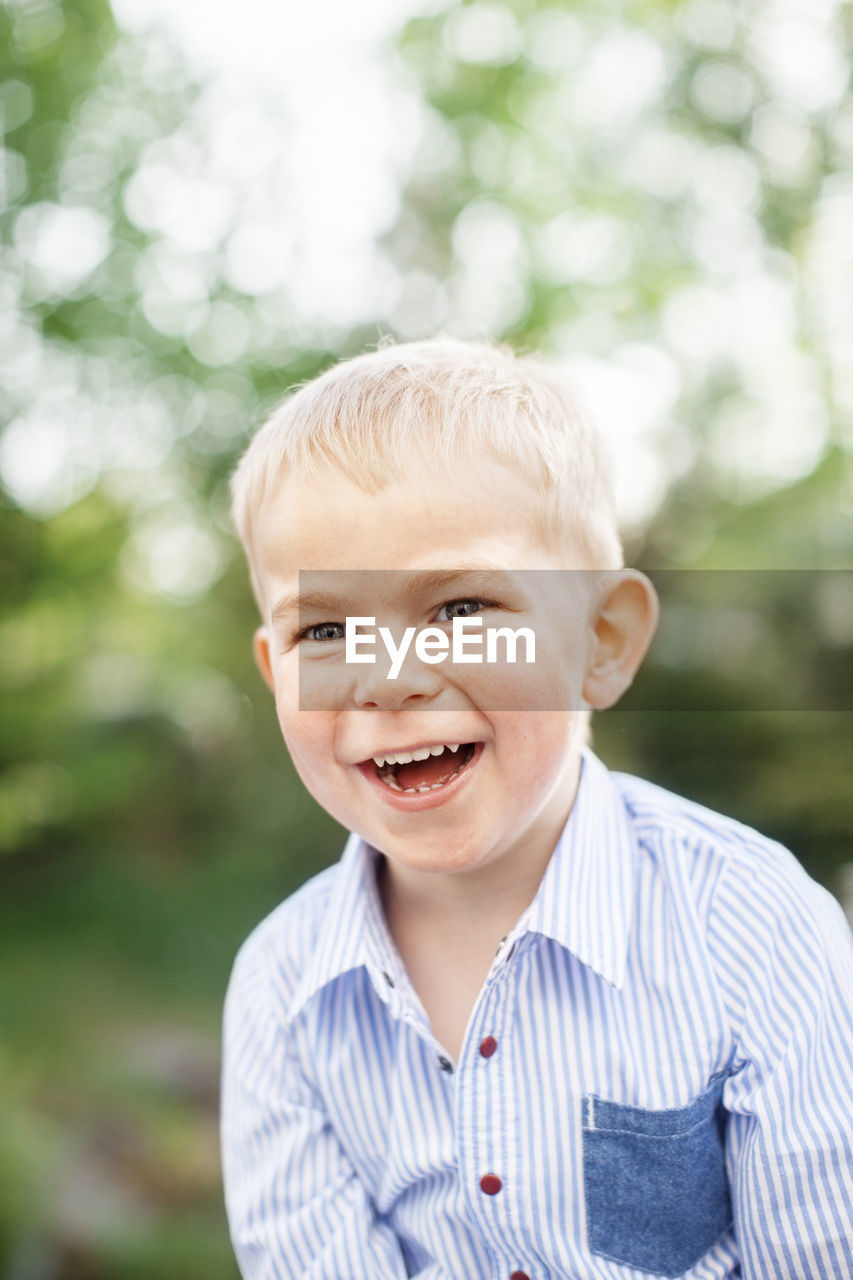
388 978
445 1064
519 1275
490 1183
488 1046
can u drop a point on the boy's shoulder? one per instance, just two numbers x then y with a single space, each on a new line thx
720 854
653 809
278 948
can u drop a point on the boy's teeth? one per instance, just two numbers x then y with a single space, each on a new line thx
406 757
387 767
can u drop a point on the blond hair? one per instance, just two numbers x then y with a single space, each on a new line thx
442 400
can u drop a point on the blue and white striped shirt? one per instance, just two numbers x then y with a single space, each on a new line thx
656 1078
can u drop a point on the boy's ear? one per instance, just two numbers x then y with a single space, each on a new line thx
261 650
622 629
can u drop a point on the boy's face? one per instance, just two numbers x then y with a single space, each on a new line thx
515 791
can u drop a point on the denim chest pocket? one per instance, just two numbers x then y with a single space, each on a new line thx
655 1183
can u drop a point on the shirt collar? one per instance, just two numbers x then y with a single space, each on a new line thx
353 930
584 901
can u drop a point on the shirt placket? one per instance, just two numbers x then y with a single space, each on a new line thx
486 1119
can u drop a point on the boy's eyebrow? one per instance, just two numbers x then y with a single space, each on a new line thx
486 578
293 602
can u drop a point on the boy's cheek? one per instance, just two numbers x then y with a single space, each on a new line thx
288 695
549 683
308 736
539 739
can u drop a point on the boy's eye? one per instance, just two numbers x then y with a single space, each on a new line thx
462 609
323 631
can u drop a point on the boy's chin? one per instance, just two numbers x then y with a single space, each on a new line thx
406 860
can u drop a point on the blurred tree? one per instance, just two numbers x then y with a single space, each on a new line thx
129 377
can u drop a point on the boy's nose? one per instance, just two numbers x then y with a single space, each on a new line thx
415 680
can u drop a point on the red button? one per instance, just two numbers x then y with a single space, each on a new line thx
490 1183
519 1275
488 1046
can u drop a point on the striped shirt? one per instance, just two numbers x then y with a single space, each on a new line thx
656 1077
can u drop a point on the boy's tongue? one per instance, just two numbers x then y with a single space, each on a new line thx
422 773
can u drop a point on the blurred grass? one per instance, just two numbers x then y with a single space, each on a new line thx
111 999
114 970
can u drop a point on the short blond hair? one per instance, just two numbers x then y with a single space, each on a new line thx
442 400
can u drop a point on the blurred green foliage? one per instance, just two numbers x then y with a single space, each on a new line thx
148 814
656 188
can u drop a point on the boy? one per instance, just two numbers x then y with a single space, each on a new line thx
540 1020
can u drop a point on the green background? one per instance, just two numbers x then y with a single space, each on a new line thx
148 813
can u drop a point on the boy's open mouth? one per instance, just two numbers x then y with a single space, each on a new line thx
426 769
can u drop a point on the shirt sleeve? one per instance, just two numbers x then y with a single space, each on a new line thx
786 962
295 1205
